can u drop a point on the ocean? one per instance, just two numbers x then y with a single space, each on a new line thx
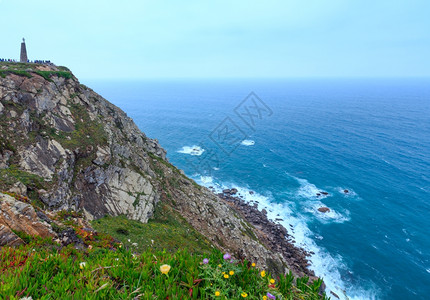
282 142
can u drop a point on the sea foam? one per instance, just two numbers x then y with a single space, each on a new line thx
247 143
322 263
193 150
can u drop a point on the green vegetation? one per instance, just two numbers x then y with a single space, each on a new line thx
48 74
13 174
26 69
167 230
9 176
43 270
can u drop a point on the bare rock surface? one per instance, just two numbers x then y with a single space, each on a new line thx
20 216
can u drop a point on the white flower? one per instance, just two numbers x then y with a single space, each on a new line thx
82 265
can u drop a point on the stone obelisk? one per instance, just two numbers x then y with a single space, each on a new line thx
23 58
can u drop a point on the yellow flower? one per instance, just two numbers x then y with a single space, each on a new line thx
231 272
272 281
219 266
226 276
244 295
82 265
253 264
264 297
263 273
165 269
217 293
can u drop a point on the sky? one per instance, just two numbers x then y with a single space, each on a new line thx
222 39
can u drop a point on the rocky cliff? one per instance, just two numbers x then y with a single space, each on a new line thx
65 147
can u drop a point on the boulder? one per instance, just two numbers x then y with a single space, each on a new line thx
20 216
8 238
324 209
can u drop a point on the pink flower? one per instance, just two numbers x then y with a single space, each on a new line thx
227 256
206 261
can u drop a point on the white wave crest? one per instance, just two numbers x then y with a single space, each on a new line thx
193 150
248 143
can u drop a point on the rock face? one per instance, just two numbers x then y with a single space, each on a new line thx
68 148
80 151
19 216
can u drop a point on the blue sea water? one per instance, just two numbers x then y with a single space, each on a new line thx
371 137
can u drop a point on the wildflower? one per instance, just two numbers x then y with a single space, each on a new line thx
134 256
270 296
206 261
264 297
272 281
244 295
82 265
253 264
263 273
226 276
90 247
217 293
231 260
231 273
219 266
227 256
165 269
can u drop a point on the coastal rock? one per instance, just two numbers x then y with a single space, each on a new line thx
8 238
20 216
324 209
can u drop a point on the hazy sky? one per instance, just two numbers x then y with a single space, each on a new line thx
220 38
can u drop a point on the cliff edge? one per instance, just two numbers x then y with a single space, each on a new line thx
63 146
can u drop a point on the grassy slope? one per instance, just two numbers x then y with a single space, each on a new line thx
43 270
167 230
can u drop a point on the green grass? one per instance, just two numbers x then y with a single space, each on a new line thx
26 69
18 175
48 74
43 270
167 230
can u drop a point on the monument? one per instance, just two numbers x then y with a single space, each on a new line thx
23 58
